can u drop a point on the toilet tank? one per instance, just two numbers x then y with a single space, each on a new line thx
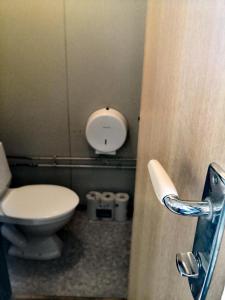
5 174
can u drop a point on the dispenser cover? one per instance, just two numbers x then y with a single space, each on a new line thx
106 130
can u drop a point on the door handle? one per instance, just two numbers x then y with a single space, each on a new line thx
198 266
168 196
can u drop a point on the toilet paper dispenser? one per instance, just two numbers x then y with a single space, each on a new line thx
106 131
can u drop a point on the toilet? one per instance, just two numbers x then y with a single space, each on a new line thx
31 215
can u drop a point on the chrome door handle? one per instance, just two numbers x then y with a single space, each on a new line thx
210 211
168 196
187 265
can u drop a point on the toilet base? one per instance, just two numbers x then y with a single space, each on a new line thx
39 248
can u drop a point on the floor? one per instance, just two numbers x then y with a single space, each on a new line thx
94 263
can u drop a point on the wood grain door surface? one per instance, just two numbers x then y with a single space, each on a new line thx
182 124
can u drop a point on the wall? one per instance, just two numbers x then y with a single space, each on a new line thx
182 125
33 103
105 41
60 61
59 64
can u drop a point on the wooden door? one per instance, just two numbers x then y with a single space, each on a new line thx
183 126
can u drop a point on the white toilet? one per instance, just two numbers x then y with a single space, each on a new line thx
32 214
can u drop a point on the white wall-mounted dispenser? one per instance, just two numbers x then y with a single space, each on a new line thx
106 131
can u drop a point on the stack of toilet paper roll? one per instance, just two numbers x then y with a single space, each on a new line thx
116 203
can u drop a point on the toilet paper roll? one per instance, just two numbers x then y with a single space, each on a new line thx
93 195
121 203
93 199
121 197
108 196
108 204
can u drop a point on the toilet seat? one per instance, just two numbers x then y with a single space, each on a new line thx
34 202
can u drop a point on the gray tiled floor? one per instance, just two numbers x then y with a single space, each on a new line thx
94 263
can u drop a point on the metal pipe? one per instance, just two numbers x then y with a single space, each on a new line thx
73 162
92 159
85 166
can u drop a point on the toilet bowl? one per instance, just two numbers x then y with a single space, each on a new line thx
31 215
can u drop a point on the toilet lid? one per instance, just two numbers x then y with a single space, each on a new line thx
39 201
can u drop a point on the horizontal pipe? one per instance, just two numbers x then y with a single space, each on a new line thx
55 158
85 166
101 158
59 162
